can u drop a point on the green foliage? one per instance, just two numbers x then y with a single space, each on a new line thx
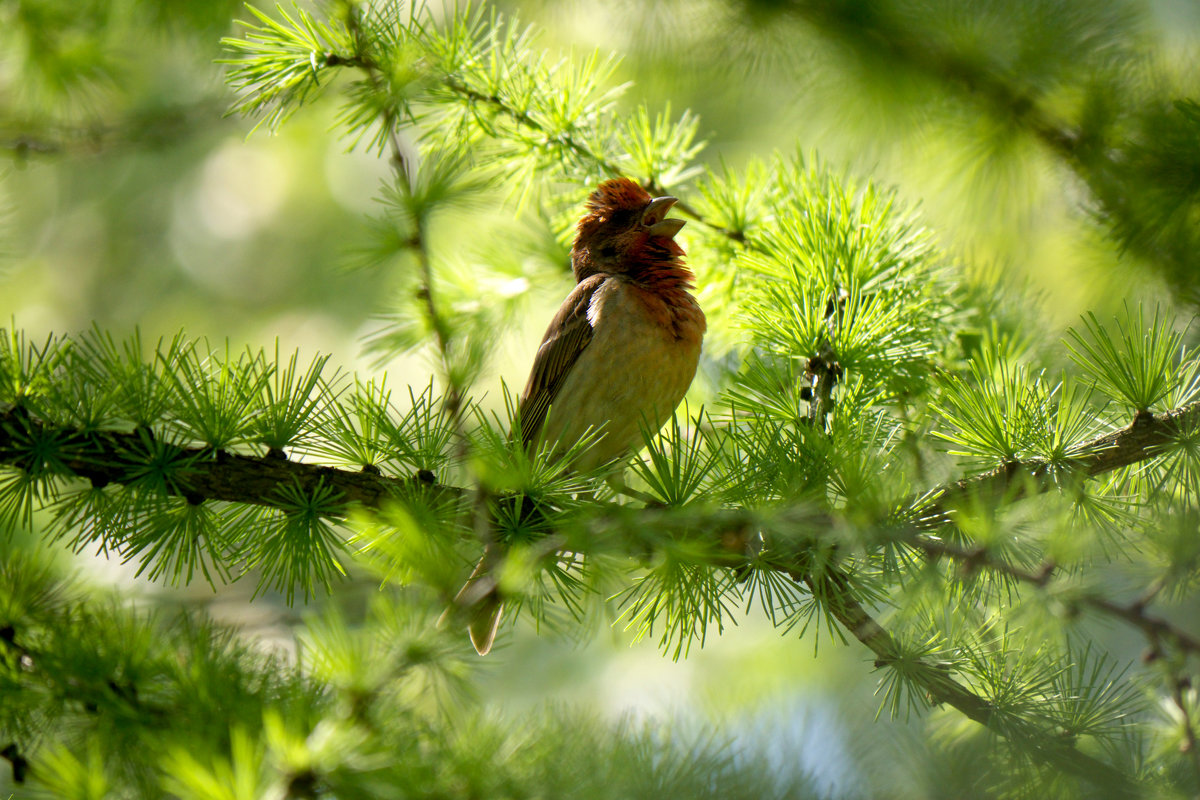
845 267
361 713
1002 413
684 599
139 393
278 69
291 401
139 427
357 432
679 466
302 550
217 396
817 497
1138 365
471 92
27 366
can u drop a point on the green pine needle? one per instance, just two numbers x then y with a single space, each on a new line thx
1137 364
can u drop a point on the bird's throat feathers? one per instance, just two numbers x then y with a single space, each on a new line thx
660 268
664 286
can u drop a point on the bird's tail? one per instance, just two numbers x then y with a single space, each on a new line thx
480 599
485 621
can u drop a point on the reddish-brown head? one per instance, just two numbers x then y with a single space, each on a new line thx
624 230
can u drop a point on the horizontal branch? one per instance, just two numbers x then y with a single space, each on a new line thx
258 480
157 127
105 457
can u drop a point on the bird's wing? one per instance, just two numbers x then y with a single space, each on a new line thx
569 333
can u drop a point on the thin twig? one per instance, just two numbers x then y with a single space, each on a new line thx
1133 613
833 586
363 61
608 167
443 332
1156 631
822 368
391 122
165 126
1155 628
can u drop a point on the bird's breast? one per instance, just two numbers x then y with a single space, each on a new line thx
640 362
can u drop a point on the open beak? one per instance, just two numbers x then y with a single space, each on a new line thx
654 218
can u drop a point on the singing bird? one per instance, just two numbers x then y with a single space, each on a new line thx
619 354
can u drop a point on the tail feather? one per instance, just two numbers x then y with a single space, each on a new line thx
485 621
480 599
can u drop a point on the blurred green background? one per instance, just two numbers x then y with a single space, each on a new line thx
128 198
149 207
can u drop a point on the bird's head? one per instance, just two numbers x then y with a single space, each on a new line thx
623 230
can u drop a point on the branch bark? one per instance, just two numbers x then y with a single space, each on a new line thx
106 457
253 480
1141 440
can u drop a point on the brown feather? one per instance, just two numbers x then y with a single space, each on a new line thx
485 621
569 333
480 598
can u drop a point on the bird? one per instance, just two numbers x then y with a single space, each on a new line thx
618 356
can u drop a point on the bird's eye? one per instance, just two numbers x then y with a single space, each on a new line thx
608 251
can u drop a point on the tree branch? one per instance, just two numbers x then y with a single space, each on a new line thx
523 119
258 480
253 480
941 687
1143 439
249 479
391 120
106 457
158 127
